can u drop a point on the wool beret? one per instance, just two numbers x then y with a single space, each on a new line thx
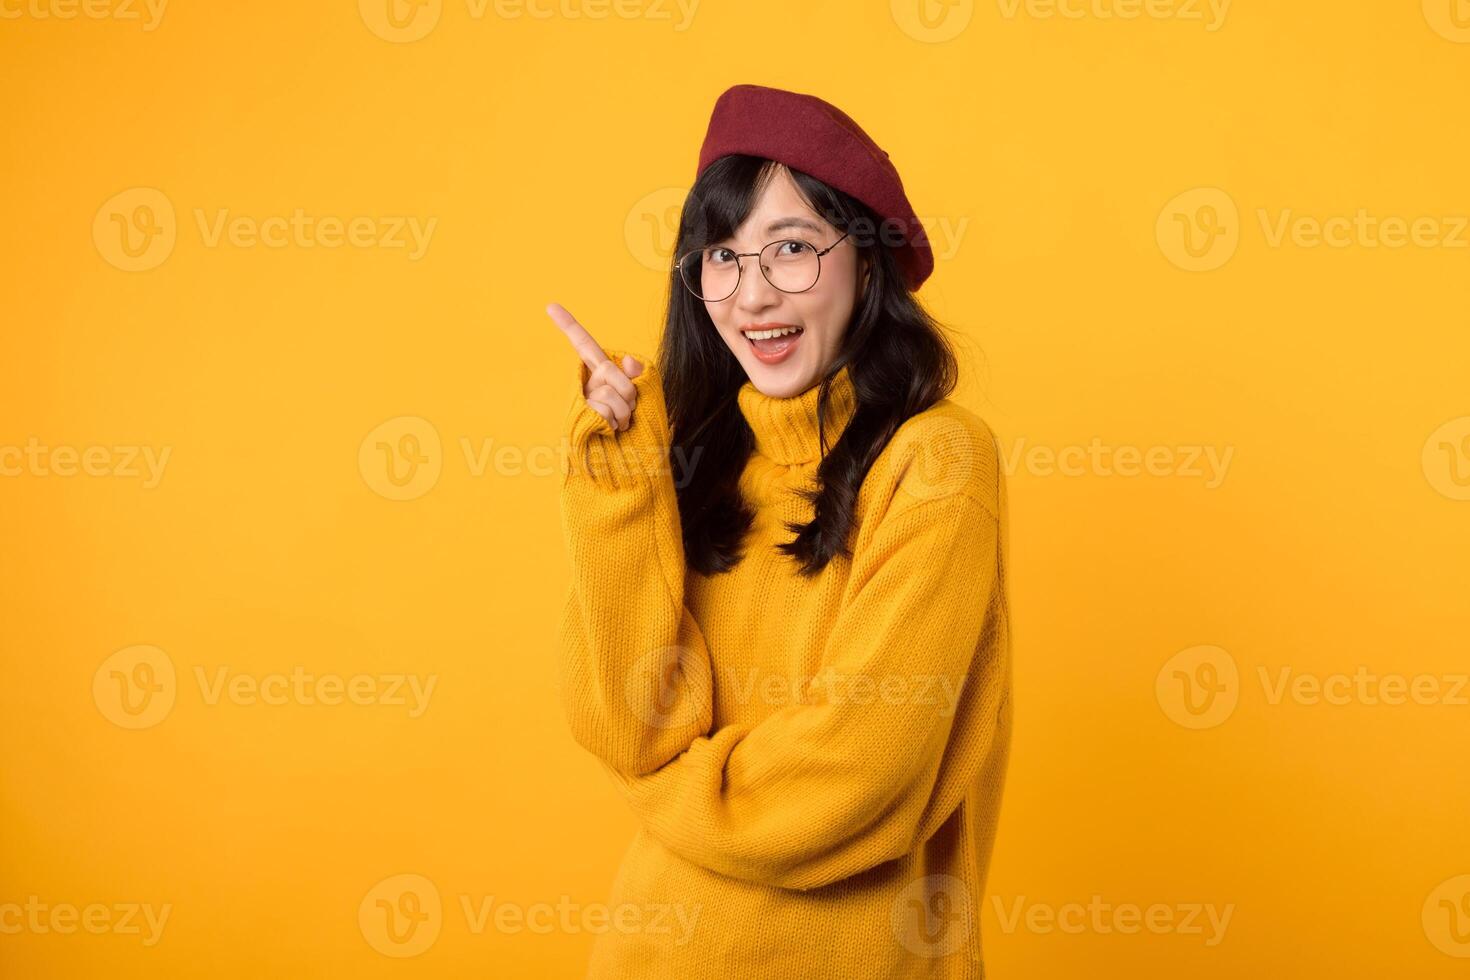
813 136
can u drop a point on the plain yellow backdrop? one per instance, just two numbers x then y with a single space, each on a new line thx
280 553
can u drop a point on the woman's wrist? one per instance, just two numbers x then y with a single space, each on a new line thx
637 455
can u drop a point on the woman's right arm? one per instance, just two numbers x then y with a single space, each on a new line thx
635 674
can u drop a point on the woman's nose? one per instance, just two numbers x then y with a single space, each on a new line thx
755 291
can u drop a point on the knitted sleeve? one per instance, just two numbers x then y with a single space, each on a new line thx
634 669
881 748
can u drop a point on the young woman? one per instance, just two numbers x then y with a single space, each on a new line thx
787 636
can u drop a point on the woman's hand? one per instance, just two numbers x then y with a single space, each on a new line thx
609 390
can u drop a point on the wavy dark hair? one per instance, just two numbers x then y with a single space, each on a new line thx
898 358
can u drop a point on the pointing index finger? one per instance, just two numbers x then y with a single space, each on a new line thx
586 347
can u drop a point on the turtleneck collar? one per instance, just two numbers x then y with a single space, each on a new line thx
786 428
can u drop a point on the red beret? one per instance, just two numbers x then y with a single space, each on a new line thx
817 138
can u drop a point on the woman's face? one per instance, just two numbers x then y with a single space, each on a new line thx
788 365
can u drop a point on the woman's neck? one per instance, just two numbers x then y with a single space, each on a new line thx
786 428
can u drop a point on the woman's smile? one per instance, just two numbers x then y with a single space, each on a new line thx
772 343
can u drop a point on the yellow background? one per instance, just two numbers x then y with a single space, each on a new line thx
1066 155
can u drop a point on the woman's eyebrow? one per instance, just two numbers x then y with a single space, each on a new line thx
792 222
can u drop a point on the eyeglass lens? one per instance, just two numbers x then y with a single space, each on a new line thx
712 273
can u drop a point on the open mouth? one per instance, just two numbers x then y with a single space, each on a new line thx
772 343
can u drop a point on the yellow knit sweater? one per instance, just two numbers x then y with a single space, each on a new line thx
816 763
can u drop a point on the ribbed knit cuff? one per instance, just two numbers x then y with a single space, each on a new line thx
636 456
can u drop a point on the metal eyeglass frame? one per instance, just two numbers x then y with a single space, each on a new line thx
740 267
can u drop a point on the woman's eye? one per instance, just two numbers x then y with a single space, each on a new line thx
792 247
718 256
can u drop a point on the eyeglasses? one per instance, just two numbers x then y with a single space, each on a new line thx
791 265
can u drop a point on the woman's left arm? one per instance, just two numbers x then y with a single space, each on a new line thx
883 747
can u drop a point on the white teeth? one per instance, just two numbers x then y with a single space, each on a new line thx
771 334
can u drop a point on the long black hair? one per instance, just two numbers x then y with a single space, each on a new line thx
898 359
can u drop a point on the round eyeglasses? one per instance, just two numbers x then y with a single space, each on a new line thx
791 265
